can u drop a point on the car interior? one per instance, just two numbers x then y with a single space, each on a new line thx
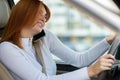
4 15
5 7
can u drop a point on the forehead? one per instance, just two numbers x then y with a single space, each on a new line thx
42 9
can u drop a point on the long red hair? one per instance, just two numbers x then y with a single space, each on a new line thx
22 14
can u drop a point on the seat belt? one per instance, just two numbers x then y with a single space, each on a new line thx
39 55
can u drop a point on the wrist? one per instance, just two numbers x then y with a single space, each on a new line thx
91 71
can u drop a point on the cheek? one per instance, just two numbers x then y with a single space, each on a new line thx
37 28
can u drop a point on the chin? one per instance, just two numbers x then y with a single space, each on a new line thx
38 31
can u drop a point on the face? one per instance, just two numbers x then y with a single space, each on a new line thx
40 21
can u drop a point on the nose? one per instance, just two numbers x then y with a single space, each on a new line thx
43 19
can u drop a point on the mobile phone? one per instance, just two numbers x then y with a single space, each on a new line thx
39 36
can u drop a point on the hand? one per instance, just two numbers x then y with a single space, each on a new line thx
110 39
104 63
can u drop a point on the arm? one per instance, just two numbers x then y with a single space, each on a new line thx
11 57
75 58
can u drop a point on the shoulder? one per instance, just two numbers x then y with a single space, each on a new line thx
7 46
47 31
8 49
49 34
5 49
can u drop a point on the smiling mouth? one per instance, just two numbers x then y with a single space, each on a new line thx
40 25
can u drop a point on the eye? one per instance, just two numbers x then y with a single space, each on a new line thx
43 15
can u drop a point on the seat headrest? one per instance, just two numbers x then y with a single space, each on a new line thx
4 12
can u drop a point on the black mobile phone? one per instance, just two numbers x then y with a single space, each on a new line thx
39 36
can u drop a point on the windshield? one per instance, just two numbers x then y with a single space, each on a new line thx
105 12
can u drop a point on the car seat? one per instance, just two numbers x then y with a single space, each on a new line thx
4 15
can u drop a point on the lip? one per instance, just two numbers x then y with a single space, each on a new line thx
40 25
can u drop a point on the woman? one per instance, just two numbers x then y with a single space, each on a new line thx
17 53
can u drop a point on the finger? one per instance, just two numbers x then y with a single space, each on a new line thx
109 56
106 68
109 61
107 65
